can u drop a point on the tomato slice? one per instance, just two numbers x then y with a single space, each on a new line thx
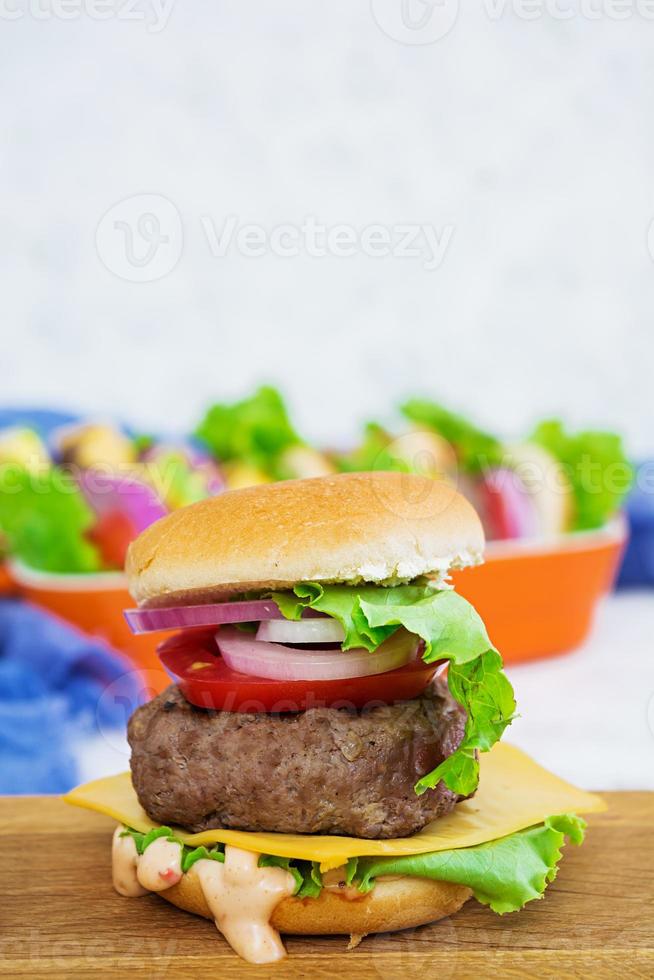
206 681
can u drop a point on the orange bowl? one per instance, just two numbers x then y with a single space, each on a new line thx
539 598
94 603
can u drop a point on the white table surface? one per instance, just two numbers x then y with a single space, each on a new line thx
587 715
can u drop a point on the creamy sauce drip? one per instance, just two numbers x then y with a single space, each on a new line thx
124 862
160 865
241 896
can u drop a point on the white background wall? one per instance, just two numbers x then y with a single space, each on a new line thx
531 140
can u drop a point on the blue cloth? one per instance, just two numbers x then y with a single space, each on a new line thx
638 564
42 420
52 678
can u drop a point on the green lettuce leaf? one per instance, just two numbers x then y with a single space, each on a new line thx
272 861
144 840
452 630
255 430
312 883
596 465
46 519
476 450
190 856
351 870
308 880
136 836
504 874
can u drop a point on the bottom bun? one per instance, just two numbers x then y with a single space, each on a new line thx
394 903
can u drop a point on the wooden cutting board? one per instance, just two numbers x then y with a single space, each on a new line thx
60 918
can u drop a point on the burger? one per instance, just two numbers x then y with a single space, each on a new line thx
327 760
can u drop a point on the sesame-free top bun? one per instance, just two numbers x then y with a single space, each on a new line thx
394 903
353 527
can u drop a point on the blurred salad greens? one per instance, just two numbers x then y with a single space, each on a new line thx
475 448
254 431
77 510
375 452
588 471
595 463
45 520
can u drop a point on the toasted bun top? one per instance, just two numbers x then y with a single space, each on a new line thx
354 527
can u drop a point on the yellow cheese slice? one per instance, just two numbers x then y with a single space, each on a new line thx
514 793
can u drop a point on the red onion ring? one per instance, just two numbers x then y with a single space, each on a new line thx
211 614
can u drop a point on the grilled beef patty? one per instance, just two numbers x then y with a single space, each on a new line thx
322 771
